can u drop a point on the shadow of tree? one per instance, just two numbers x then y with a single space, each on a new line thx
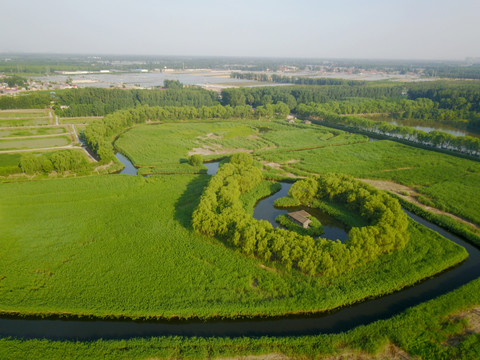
189 200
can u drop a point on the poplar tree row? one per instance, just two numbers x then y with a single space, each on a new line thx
463 144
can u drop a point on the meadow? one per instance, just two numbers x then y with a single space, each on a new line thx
9 114
32 132
167 145
450 182
25 122
78 120
123 246
34 142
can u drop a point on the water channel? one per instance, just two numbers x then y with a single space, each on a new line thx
427 126
331 322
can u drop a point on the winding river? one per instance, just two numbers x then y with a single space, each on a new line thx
331 322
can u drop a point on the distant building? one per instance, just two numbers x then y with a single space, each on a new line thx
301 217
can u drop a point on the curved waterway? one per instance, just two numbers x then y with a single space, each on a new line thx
336 321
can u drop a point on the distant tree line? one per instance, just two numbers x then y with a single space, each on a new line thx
420 109
462 144
59 161
301 94
297 80
220 213
99 102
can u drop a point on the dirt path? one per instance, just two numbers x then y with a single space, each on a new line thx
400 191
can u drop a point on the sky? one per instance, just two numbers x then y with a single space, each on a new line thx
368 29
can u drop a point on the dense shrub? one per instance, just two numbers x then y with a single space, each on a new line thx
59 161
195 160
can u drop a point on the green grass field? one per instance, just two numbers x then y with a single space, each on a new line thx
166 145
24 122
34 143
32 132
451 182
23 114
78 120
123 245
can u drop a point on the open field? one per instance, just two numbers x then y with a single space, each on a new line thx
33 113
32 132
123 245
78 120
34 143
165 145
25 122
450 182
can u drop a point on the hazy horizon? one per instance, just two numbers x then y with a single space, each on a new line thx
346 29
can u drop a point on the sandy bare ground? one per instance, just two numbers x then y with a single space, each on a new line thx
473 317
399 190
391 352
259 357
273 165
210 150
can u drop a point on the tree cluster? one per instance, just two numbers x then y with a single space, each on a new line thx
220 213
31 100
59 161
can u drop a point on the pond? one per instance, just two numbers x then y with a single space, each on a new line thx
129 169
265 210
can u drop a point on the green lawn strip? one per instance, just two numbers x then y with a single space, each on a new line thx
78 120
450 182
9 164
421 331
122 246
32 132
20 114
24 122
34 143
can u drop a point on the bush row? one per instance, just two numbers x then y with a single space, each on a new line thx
59 161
